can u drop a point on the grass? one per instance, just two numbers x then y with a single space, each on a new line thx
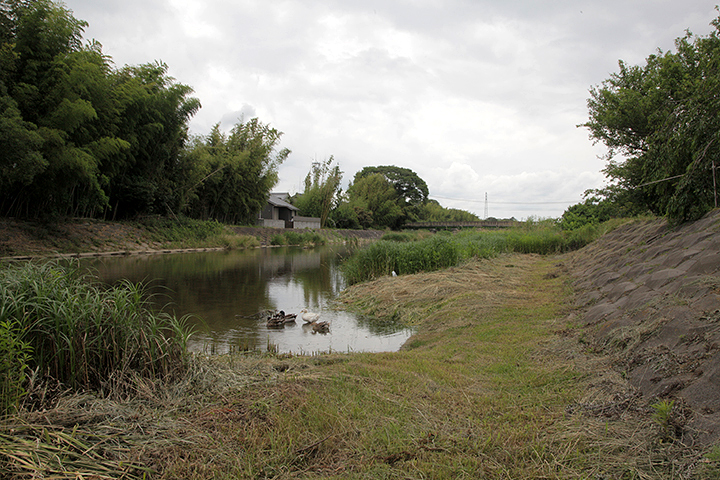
185 232
81 335
487 388
406 253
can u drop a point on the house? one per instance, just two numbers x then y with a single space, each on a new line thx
279 213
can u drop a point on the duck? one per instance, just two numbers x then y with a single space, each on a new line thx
320 327
279 319
288 317
309 317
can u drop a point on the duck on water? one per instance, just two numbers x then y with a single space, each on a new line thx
311 319
279 319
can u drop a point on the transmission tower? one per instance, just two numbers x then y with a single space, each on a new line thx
486 208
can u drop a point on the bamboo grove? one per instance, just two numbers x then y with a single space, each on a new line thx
79 137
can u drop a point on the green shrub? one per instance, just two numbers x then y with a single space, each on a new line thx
278 239
293 238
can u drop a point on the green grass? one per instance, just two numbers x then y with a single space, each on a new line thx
482 391
81 335
186 232
403 254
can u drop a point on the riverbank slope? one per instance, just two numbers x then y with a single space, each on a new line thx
90 236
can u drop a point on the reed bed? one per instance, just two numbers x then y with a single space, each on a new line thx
407 254
61 326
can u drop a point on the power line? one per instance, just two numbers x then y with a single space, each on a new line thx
503 203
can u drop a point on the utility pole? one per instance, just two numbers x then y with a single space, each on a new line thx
486 208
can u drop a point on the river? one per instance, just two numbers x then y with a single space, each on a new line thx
223 292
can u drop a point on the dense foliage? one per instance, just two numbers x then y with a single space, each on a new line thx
79 137
232 174
660 124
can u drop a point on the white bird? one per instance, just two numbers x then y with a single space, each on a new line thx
309 317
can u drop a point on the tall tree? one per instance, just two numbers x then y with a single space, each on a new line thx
661 125
240 170
322 189
375 202
411 191
78 136
153 112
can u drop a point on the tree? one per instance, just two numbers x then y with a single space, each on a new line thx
79 137
432 211
374 200
409 186
322 188
411 191
240 171
662 120
152 116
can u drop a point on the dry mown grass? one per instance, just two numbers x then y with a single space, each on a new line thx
494 385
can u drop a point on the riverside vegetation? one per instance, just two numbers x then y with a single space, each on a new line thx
489 387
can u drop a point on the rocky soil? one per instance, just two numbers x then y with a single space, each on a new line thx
650 300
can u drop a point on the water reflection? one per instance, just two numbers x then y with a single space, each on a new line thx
224 291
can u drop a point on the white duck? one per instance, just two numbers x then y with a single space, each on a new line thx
309 317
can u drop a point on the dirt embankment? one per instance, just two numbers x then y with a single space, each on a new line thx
650 299
87 236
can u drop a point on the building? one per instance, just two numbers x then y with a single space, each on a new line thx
279 213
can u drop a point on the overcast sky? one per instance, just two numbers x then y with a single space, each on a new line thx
475 96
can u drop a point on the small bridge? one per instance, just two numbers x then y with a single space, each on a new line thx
480 224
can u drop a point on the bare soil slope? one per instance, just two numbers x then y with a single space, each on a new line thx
650 299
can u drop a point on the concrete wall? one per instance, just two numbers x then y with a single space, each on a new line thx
306 222
264 222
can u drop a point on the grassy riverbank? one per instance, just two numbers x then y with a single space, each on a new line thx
407 253
490 387
88 236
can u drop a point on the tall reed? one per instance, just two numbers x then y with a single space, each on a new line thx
80 333
401 254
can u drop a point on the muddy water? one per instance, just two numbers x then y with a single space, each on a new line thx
223 292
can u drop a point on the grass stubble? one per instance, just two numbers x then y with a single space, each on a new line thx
493 385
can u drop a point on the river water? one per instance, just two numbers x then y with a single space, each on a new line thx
224 291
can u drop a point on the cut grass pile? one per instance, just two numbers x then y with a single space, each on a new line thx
487 388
